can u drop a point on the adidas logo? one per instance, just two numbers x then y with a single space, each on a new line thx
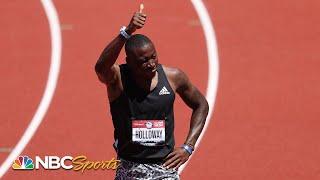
164 91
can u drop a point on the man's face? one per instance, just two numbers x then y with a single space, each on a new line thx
143 61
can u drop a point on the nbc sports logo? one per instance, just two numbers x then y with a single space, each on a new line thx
23 162
66 162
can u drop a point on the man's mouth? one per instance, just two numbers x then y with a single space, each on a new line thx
151 70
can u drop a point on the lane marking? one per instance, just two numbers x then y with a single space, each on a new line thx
55 33
213 61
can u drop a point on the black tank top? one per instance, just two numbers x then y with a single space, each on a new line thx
143 122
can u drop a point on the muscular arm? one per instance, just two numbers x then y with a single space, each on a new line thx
105 66
197 102
199 105
106 69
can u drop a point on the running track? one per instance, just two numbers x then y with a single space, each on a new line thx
265 123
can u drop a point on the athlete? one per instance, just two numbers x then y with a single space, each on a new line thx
141 94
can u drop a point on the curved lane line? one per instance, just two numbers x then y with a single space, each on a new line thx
213 59
55 33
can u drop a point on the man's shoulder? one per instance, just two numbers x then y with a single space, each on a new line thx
173 72
176 76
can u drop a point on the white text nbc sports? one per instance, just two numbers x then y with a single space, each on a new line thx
53 162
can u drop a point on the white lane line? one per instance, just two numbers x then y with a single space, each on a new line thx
55 33
213 62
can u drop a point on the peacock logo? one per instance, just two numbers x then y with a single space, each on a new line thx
23 162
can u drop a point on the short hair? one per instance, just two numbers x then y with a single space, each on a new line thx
136 41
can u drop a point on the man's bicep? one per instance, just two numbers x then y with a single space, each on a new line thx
187 91
191 96
109 76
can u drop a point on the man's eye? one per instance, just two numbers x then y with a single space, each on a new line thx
141 61
145 60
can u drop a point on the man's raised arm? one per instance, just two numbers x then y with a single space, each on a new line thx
105 67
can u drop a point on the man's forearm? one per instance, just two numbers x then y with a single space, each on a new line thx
110 54
197 123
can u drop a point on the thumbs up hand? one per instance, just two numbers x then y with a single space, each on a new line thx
137 21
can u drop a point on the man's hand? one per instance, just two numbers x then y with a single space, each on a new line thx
137 21
176 158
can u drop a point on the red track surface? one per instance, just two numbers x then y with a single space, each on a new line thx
266 118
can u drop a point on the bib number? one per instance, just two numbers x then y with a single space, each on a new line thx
148 132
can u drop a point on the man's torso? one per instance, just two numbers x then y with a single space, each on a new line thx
143 119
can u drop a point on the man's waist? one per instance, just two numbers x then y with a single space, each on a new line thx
158 161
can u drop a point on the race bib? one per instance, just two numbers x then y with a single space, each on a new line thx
148 132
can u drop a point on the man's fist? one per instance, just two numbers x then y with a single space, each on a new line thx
137 21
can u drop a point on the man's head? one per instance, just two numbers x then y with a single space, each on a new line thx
141 56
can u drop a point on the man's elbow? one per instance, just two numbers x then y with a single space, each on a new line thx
98 67
202 106
205 106
99 71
